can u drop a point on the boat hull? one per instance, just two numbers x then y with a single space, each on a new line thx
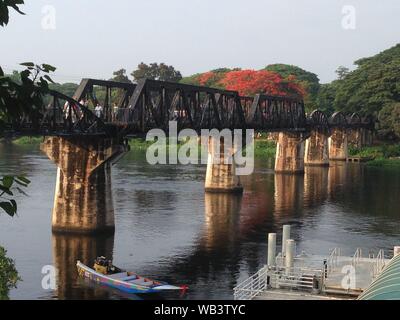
125 286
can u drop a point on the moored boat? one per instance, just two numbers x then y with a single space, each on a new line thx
107 274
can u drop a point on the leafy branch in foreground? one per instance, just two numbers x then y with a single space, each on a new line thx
8 186
8 274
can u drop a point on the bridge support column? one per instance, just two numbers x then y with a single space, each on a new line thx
83 197
316 153
221 175
355 137
367 137
338 146
290 153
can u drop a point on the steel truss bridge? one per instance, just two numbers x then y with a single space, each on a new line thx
134 109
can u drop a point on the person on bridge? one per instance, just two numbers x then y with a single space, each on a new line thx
115 112
98 110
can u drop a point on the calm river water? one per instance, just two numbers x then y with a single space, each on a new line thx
169 229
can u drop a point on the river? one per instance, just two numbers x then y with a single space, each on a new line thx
167 227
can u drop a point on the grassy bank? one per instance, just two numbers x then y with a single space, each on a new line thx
384 156
385 163
23 141
384 151
262 147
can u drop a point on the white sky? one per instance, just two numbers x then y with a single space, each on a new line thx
93 38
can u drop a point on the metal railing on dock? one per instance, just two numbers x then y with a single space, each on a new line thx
268 278
332 262
252 286
357 256
379 263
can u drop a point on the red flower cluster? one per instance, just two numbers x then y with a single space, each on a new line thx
251 82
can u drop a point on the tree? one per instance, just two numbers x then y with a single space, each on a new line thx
156 71
8 274
326 97
308 80
389 121
374 84
19 94
251 82
209 79
120 76
342 72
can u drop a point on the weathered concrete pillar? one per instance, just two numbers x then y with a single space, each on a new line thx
83 197
290 153
367 137
338 147
355 137
317 153
221 175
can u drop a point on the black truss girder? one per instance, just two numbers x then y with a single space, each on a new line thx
274 113
152 104
63 115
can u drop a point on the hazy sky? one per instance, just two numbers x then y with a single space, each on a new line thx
92 38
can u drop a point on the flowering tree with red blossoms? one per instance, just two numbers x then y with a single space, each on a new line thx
251 82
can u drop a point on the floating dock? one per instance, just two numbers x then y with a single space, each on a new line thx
288 276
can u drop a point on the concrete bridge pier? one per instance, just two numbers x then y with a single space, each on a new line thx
316 152
356 137
338 145
290 153
367 137
221 169
83 196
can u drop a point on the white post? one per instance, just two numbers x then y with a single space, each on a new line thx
285 237
396 251
290 252
271 249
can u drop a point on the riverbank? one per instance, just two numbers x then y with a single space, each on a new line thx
383 156
262 147
23 141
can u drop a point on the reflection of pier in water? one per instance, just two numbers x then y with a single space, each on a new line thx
231 238
67 249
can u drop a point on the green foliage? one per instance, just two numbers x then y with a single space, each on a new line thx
156 71
389 121
264 148
384 151
373 85
24 96
66 88
308 80
342 72
8 274
120 76
22 141
209 79
8 186
391 164
5 6
326 97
